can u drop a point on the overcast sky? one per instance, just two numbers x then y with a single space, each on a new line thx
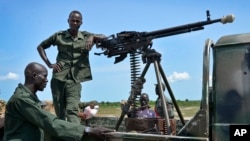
24 24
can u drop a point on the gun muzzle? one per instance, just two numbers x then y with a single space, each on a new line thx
227 19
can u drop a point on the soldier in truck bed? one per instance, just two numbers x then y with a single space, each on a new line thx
159 108
145 111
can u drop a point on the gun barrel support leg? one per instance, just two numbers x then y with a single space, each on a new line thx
164 104
171 94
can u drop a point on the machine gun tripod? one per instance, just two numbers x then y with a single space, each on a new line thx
150 56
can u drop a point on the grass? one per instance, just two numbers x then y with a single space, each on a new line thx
187 108
113 109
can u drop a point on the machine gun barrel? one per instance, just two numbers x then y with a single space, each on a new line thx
188 27
131 41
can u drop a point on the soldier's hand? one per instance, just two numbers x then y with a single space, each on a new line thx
56 67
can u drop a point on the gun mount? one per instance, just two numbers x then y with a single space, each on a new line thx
125 42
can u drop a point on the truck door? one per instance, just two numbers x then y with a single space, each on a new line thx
230 85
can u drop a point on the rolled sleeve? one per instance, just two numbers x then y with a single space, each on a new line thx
49 41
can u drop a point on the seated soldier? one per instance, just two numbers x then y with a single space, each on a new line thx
145 121
145 111
25 120
170 108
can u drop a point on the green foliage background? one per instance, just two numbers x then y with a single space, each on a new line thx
187 107
180 103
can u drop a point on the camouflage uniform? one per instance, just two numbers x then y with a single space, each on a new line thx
159 107
25 120
65 85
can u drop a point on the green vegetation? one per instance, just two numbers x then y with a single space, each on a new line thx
187 107
113 109
188 103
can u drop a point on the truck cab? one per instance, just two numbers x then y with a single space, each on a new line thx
229 100
225 89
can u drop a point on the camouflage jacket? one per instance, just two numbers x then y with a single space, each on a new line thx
25 120
72 55
159 108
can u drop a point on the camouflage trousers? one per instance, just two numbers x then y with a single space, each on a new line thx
66 99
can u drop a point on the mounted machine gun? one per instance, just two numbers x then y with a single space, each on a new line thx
135 43
125 42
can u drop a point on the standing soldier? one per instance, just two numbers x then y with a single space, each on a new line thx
170 108
72 66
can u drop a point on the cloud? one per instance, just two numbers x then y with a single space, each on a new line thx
10 76
178 76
